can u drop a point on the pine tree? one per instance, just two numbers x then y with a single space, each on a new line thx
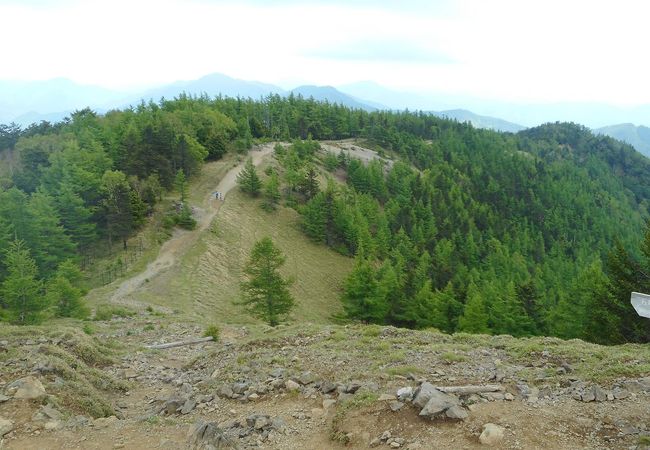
474 318
315 217
180 184
266 293
22 290
309 185
64 294
272 192
248 179
363 299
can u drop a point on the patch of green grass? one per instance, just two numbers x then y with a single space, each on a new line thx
403 370
371 330
149 327
88 329
206 281
212 330
452 357
395 356
107 312
643 440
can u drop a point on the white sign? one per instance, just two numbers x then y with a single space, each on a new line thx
641 303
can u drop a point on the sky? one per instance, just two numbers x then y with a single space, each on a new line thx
510 50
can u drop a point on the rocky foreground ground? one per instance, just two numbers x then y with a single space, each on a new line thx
321 387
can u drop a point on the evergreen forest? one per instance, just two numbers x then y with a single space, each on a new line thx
543 232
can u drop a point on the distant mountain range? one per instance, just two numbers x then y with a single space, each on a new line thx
25 102
478 121
637 136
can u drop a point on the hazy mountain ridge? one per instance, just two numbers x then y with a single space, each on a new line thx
479 121
26 102
637 136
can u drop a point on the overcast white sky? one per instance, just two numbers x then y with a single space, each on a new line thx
513 50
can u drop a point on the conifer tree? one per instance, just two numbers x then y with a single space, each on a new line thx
22 290
309 184
266 293
363 299
474 318
64 294
248 179
180 184
272 192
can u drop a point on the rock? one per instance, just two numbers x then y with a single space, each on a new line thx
6 426
343 397
492 396
405 394
498 375
395 444
204 398
261 422
129 374
370 387
528 393
52 425
226 391
278 373
306 378
599 394
386 397
386 435
77 422
619 394
508 396
47 413
423 394
456 412
395 406
28 388
438 403
633 386
328 403
278 424
492 434
173 405
104 422
3 398
188 406
588 396
328 387
353 387
253 396
240 387
291 385
208 436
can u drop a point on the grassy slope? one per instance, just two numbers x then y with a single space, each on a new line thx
205 283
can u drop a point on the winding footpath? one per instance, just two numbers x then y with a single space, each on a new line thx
182 240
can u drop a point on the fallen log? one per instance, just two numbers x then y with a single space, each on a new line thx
180 343
466 390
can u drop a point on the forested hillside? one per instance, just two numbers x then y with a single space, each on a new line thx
473 230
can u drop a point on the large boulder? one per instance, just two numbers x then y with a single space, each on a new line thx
423 394
28 388
438 403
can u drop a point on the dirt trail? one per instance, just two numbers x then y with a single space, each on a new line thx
182 240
